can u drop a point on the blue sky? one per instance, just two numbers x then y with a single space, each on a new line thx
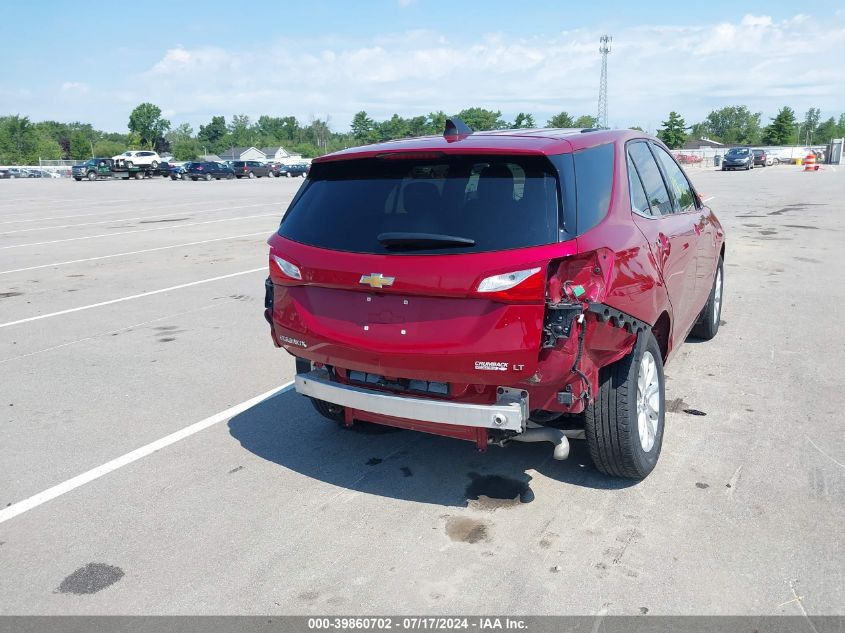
318 59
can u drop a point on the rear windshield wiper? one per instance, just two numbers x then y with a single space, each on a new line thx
422 240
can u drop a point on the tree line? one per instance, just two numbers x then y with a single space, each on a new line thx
737 125
25 142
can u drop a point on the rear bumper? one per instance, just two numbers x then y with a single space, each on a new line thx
509 413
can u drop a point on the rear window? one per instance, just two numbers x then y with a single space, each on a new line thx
495 202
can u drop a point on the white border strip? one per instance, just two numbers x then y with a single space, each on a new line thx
129 298
95 473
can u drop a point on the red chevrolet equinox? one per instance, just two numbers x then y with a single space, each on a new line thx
520 285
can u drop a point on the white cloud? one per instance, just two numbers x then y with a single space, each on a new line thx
757 61
77 87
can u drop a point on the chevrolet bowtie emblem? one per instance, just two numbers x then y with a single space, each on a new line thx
376 280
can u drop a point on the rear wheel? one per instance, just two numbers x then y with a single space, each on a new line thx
708 321
208 176
139 175
78 178
624 422
252 174
154 164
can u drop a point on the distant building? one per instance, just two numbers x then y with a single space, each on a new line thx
701 143
270 154
243 153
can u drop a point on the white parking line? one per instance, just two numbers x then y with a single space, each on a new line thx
159 228
129 298
140 217
708 199
146 250
119 462
165 205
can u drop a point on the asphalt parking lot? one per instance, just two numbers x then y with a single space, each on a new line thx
130 311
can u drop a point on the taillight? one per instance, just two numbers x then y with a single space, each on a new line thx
288 270
519 286
580 278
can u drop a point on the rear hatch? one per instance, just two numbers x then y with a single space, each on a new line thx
423 266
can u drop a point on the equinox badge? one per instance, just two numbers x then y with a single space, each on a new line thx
376 280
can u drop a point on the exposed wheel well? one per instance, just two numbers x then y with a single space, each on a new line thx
661 330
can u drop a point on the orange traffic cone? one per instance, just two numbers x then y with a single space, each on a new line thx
810 163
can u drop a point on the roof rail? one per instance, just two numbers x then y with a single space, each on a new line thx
456 128
592 129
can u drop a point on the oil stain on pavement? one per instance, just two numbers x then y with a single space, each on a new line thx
466 530
92 578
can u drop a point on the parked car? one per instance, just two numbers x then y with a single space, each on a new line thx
17 172
138 159
208 170
165 169
738 158
42 173
688 159
761 157
250 169
298 169
4 174
489 287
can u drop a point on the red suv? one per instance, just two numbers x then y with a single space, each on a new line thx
523 285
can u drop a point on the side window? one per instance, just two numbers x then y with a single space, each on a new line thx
593 183
639 203
655 188
681 190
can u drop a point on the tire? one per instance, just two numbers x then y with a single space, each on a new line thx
208 177
78 178
139 175
154 164
92 176
613 422
328 410
252 174
708 321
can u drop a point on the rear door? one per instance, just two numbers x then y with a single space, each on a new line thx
671 236
688 203
392 253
